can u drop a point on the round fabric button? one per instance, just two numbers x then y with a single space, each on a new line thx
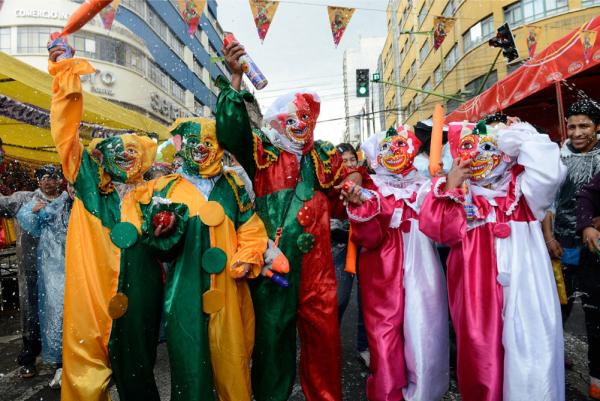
214 260
502 230
305 242
213 301
124 235
304 191
117 306
211 213
305 216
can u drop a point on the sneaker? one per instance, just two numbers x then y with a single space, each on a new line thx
365 357
27 371
57 379
594 391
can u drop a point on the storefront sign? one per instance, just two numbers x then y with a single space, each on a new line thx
166 108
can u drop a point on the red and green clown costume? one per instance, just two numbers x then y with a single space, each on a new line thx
293 176
113 288
217 243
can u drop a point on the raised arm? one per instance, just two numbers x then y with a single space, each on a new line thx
66 112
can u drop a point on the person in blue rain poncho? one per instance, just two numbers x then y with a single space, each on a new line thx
48 221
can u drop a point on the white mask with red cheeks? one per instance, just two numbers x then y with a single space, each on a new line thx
291 120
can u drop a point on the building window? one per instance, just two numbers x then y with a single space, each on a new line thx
5 39
587 3
437 75
424 52
85 45
451 58
157 76
472 88
174 43
531 10
136 5
450 8
157 24
478 33
422 14
32 39
177 91
413 69
427 85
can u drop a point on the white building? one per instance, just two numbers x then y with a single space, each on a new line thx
360 119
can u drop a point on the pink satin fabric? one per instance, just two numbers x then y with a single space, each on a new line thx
382 294
475 296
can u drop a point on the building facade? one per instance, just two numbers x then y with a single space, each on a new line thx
458 67
361 113
147 62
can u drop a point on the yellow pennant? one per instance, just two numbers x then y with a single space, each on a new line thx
108 14
441 27
532 39
339 18
263 12
191 11
588 40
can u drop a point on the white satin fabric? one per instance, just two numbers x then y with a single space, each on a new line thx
532 335
426 339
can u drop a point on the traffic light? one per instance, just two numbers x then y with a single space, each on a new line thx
505 40
362 83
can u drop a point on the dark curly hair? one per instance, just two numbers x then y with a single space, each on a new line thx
346 147
586 107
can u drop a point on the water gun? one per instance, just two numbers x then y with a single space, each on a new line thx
276 264
436 144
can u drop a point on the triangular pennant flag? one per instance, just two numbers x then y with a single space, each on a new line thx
339 17
441 27
263 12
108 14
588 40
533 34
191 10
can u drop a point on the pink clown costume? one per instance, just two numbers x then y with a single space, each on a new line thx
403 290
502 295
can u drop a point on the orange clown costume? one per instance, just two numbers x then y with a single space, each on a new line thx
113 289
208 309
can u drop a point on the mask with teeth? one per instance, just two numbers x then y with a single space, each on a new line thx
199 149
125 158
397 150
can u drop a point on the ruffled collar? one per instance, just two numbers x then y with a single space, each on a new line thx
402 187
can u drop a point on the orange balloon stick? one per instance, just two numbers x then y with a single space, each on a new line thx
435 147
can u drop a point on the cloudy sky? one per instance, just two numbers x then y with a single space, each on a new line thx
298 51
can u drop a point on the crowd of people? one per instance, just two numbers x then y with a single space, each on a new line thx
253 233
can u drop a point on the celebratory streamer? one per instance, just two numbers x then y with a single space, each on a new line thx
441 27
533 32
339 18
191 10
263 12
109 13
588 39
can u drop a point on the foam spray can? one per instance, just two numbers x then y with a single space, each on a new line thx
58 41
250 68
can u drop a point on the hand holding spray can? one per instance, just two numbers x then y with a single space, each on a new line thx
249 67
58 41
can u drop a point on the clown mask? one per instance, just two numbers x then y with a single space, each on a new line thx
481 147
295 117
199 150
398 150
125 158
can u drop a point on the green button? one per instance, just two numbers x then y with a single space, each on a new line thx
306 242
124 235
305 191
214 260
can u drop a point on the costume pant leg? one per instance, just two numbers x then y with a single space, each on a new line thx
134 336
274 356
591 308
361 333
344 280
28 304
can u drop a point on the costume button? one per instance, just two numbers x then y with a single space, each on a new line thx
214 260
117 306
502 230
124 235
213 301
305 216
305 242
304 191
211 213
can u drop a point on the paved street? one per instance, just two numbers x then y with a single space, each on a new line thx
354 374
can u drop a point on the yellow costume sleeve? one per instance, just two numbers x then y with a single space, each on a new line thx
251 245
66 112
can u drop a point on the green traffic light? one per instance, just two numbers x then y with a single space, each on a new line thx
362 90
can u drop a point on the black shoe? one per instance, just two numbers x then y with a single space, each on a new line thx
27 371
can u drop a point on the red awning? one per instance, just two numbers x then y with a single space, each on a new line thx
530 91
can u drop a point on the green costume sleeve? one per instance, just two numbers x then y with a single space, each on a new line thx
233 125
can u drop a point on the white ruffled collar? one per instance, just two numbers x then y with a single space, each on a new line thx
402 187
